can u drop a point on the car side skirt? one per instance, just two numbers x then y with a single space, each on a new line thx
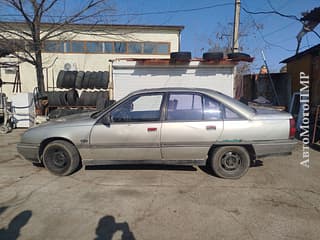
87 162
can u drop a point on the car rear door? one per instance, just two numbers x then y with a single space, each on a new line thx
133 133
192 123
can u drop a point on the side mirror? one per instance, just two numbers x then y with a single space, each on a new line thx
106 120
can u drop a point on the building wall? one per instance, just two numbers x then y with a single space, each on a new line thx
54 62
295 67
310 65
315 90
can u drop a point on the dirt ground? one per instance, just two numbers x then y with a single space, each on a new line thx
276 199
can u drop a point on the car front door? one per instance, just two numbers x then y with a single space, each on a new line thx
193 122
132 131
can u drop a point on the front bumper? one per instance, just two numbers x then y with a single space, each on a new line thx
266 148
29 151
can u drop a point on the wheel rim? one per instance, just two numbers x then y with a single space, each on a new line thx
58 157
230 161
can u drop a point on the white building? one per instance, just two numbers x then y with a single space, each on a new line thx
90 48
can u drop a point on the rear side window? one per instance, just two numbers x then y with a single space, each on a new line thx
184 106
211 109
231 115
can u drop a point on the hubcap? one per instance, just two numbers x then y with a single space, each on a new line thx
230 161
59 159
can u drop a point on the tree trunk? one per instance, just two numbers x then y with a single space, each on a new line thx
37 47
39 70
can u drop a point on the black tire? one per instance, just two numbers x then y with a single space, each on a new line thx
239 56
88 98
94 77
61 158
215 56
70 79
180 56
230 162
60 79
79 79
53 98
86 79
72 97
102 99
63 98
105 80
102 82
99 81
92 99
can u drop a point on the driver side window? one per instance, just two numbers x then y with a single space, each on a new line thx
143 108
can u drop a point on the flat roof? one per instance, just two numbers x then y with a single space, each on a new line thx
299 55
101 26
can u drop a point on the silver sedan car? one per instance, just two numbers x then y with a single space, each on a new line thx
179 126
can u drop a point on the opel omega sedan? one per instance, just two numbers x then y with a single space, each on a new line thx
179 126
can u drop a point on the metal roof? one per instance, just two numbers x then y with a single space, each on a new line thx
102 26
311 50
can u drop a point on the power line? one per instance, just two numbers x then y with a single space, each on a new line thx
279 29
271 12
262 36
146 13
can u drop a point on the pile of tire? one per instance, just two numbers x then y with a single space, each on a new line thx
83 80
62 98
98 99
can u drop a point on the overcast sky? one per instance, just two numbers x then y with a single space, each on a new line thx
277 37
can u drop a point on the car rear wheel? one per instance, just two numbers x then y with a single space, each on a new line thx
61 158
230 162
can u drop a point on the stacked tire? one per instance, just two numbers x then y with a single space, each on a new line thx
83 80
62 98
98 99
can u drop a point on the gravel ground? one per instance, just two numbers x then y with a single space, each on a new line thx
276 199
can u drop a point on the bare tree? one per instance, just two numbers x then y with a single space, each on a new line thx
32 22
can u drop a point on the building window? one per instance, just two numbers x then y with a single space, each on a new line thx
108 47
134 48
75 47
120 47
156 48
54 46
149 48
94 47
163 48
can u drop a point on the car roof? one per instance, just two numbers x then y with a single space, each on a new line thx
173 89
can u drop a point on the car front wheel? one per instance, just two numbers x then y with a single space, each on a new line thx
61 158
230 162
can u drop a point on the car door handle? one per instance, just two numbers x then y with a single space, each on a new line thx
211 127
152 129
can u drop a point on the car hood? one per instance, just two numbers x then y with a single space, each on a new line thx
73 127
71 120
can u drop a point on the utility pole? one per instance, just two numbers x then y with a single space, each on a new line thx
235 46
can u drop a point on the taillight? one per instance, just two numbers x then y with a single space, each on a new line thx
292 131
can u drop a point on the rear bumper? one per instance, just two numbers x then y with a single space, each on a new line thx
266 148
29 151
